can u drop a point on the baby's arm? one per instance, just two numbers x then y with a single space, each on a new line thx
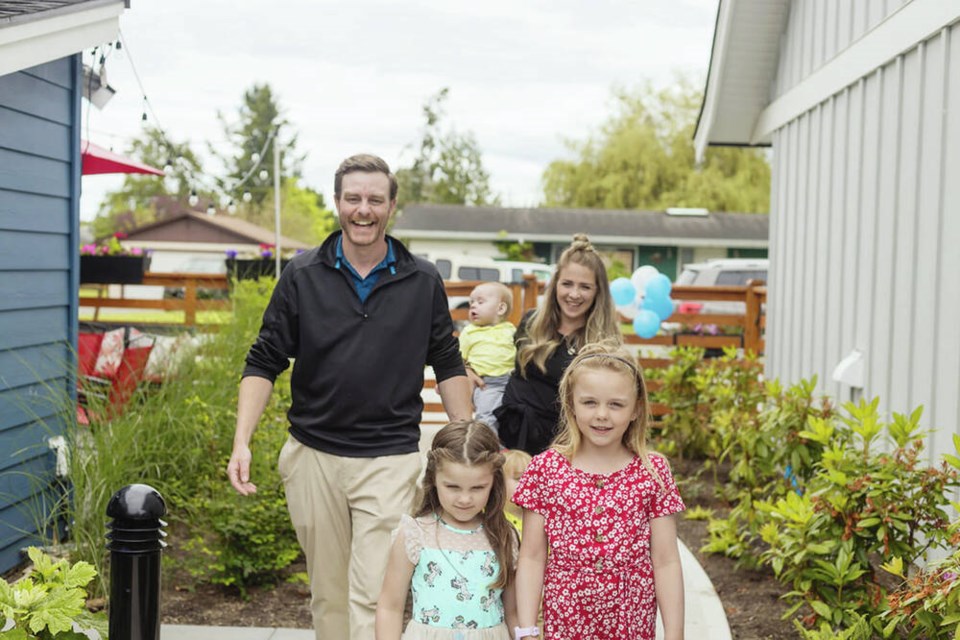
530 568
667 575
393 594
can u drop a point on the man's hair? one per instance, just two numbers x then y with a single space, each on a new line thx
368 163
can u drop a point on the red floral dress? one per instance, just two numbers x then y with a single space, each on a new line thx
599 578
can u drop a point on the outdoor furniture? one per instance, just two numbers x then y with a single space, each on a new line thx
103 395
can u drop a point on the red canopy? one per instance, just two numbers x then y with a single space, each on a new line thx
96 159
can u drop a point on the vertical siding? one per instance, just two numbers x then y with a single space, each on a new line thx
818 30
864 235
39 173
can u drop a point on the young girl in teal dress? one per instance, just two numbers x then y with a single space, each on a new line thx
457 553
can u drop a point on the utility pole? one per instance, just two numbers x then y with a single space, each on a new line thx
276 195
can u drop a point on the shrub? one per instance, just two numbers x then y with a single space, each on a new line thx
48 603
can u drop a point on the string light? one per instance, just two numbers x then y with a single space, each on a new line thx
211 210
193 199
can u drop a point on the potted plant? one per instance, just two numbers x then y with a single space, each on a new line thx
112 263
254 266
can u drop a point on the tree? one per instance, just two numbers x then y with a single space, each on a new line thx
303 213
259 116
135 203
448 168
643 158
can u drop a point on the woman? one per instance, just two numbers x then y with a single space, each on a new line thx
577 309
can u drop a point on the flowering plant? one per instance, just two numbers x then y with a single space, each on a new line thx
264 252
111 247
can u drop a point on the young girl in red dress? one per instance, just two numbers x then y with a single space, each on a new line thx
604 506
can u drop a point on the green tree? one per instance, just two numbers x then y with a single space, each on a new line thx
303 213
259 115
642 157
448 168
136 202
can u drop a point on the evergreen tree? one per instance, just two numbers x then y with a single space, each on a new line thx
448 168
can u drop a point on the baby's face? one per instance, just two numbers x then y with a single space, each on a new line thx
485 306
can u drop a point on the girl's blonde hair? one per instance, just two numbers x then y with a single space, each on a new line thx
473 444
516 462
542 336
605 356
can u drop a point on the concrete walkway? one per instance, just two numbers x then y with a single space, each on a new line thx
705 618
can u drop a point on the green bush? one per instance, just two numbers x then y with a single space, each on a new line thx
177 438
48 604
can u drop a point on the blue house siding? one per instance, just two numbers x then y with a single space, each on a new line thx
39 219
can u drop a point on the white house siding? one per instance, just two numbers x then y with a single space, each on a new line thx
820 29
864 235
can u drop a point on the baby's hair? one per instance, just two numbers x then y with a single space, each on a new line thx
516 462
503 291
604 356
473 444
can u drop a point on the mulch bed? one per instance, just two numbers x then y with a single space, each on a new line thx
750 597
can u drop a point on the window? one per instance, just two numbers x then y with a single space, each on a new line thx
478 273
445 267
739 278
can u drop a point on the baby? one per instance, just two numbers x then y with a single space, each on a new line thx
488 349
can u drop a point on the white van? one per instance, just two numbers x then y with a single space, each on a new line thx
464 267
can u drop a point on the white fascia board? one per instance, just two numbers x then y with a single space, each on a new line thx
26 45
462 236
901 31
701 138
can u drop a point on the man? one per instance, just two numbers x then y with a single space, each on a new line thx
361 317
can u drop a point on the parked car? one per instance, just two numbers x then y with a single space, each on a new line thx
720 272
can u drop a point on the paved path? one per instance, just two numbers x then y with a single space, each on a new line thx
705 618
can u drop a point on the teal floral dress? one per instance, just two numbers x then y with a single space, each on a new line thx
453 571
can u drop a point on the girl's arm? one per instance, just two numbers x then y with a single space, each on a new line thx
393 594
530 568
667 575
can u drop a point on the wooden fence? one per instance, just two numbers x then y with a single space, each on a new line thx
190 303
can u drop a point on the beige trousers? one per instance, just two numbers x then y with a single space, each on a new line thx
343 510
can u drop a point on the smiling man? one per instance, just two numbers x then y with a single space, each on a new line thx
361 317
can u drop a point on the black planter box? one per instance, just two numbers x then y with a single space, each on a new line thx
113 269
254 268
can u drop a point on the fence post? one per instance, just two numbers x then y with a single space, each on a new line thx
136 540
751 321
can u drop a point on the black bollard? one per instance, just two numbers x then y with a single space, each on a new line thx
136 540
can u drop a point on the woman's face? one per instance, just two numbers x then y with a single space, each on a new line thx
576 291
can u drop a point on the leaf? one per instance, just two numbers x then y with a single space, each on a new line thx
895 567
79 575
14 634
822 609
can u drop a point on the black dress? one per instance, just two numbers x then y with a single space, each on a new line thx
530 410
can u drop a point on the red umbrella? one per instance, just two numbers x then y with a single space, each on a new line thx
96 159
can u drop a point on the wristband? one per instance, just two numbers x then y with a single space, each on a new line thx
525 632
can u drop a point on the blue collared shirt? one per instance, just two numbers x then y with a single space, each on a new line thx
364 286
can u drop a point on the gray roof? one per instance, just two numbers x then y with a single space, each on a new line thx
20 11
602 225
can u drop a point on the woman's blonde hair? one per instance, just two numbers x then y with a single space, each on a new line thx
473 444
604 356
542 336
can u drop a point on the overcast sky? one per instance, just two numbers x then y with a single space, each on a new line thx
353 76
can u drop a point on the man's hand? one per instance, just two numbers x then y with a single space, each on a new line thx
238 470
476 382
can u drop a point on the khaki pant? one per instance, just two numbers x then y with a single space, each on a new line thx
343 510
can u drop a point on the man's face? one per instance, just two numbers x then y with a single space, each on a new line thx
364 208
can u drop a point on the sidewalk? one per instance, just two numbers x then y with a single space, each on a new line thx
704 620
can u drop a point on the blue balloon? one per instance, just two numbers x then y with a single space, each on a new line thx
658 286
622 291
663 307
646 324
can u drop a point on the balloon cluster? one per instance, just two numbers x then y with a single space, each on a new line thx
644 297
